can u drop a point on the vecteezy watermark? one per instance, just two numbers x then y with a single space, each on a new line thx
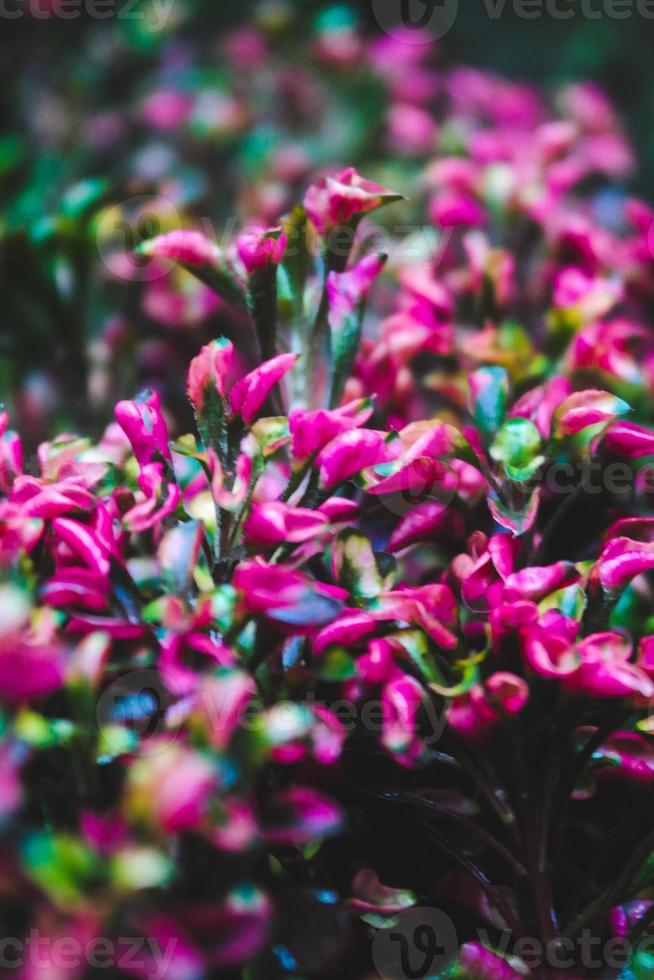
135 703
425 21
421 942
133 715
156 13
416 943
125 226
128 224
416 21
147 957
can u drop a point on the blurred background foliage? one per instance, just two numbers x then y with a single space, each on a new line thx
71 98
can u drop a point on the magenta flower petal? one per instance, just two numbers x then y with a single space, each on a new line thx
586 408
248 395
622 560
350 627
370 895
259 248
30 668
84 542
402 699
210 370
334 201
189 247
428 521
538 582
11 458
635 757
480 963
311 431
299 815
273 522
143 424
349 453
628 440
347 290
80 587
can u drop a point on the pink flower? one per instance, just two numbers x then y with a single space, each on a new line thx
286 596
229 498
311 431
450 209
259 248
334 201
586 408
190 247
248 395
167 109
634 754
11 456
351 626
537 582
605 670
79 587
402 699
619 347
273 522
348 290
431 607
143 424
153 509
349 454
317 732
299 815
540 403
411 129
623 919
171 788
221 701
84 542
429 521
628 440
32 663
621 560
481 963
212 367
591 297
369 895
473 714
184 657
18 534
549 645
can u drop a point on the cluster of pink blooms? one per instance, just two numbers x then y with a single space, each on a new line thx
427 490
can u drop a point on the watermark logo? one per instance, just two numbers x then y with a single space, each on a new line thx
125 226
135 704
416 21
415 944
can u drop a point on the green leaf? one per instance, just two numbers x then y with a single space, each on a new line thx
346 340
489 390
64 867
518 517
271 434
178 553
518 448
336 665
296 265
355 565
469 677
218 275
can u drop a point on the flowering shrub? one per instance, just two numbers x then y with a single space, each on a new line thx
379 633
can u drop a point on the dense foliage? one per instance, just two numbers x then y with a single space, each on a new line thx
379 633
